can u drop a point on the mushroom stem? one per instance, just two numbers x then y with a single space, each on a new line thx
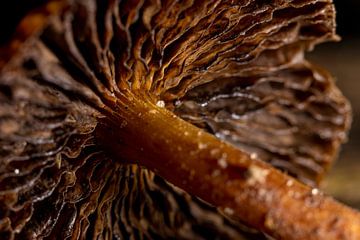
242 186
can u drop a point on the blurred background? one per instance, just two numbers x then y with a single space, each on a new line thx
343 61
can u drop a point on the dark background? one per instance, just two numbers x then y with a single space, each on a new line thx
11 12
342 59
348 17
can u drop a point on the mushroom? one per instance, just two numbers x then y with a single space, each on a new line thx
170 119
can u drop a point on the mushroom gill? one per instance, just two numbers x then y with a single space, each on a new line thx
158 119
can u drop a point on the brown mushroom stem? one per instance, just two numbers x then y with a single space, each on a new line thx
240 185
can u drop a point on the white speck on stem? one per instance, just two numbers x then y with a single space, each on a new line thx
16 171
269 222
160 103
202 145
228 211
289 183
222 161
294 194
257 174
214 151
153 111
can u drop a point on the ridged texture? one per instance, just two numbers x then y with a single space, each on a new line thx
235 68
282 117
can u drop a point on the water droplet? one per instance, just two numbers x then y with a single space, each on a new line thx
16 171
253 156
315 191
225 132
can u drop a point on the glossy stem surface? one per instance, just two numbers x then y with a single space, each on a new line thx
242 187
